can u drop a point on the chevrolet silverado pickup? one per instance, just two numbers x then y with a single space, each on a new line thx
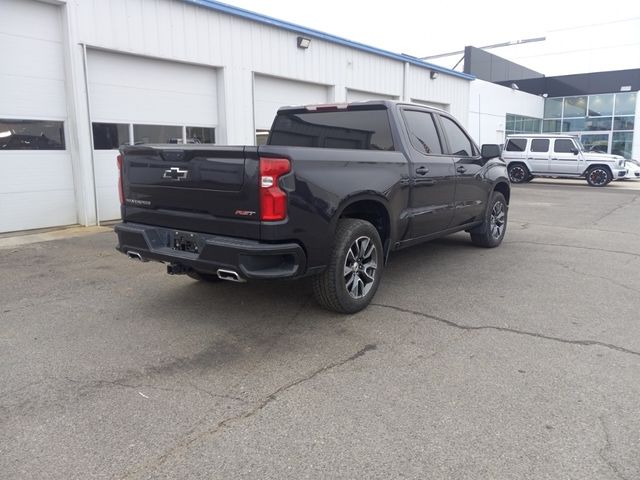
334 190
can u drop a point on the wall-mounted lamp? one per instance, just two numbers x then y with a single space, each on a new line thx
433 75
515 86
304 42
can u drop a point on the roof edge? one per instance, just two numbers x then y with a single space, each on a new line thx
292 27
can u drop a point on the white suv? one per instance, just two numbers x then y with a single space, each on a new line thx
545 155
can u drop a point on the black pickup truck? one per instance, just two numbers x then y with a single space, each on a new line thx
334 190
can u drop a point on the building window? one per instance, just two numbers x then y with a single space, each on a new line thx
521 124
611 115
624 123
601 105
621 143
626 103
573 124
157 134
200 134
110 136
551 126
553 108
31 135
598 123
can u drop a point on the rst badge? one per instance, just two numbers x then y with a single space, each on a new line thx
245 213
175 173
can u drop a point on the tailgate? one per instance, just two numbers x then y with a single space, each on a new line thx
196 188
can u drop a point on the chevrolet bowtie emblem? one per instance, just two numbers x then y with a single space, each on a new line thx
175 173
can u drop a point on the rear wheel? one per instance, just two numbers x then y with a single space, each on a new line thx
519 173
598 176
491 232
353 274
203 277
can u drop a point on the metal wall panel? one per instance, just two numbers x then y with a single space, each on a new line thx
173 29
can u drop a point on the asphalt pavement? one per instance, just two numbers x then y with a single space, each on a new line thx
521 362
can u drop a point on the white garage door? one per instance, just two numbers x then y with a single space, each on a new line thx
361 96
271 93
36 185
155 101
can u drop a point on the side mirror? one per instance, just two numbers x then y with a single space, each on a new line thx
490 150
574 150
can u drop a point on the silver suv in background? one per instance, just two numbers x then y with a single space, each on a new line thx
543 155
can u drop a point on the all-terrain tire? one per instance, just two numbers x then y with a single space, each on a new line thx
492 230
353 274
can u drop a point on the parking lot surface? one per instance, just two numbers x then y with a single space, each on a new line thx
521 362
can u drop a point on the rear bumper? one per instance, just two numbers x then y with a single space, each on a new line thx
251 259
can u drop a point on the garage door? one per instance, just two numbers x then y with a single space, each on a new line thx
361 96
137 99
36 185
271 93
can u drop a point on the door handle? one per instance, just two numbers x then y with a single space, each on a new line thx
461 169
554 158
422 170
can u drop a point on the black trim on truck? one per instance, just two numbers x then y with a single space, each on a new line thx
207 253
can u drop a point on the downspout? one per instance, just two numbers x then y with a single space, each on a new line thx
93 160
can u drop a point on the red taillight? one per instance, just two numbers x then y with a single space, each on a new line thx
120 159
273 200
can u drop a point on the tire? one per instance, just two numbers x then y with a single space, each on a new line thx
519 173
599 176
203 277
352 277
492 230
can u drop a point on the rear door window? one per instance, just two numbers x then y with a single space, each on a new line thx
516 145
459 144
422 132
540 145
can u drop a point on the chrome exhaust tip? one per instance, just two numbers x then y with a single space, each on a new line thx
135 256
229 275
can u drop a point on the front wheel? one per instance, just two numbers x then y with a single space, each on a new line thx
492 230
519 173
352 277
599 176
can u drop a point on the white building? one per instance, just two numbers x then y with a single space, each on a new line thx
80 77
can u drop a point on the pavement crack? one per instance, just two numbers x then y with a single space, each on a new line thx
530 242
583 343
602 453
602 277
613 210
185 444
216 395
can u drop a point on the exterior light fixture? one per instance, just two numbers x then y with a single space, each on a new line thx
545 95
515 86
5 134
433 75
304 42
